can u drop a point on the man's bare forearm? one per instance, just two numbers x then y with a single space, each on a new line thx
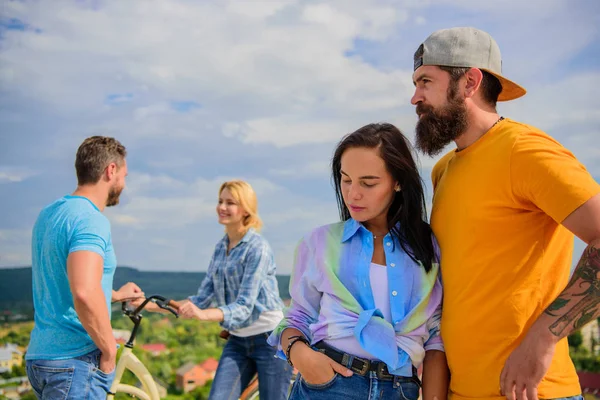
93 314
435 376
579 303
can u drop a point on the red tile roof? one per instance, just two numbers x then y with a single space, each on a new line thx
154 347
210 365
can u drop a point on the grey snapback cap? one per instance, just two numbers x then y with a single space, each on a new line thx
467 47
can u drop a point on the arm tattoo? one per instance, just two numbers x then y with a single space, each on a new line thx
579 303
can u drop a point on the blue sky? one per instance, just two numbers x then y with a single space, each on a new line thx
205 91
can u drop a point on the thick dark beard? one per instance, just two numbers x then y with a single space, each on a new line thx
113 196
438 127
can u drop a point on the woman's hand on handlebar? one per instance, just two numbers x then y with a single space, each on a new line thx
188 310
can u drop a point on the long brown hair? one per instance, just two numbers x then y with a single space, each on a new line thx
406 219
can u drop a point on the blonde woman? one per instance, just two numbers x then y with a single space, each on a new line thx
241 282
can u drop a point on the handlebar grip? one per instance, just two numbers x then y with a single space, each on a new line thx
174 304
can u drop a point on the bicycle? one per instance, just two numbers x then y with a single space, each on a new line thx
129 361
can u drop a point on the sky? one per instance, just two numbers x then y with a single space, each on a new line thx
205 91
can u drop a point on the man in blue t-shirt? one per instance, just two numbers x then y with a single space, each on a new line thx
72 350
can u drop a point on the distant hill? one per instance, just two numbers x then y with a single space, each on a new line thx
15 285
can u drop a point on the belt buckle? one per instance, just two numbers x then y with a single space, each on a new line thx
365 368
381 373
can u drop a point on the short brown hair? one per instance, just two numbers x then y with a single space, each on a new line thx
94 155
490 85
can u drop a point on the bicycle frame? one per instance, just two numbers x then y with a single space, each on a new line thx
129 361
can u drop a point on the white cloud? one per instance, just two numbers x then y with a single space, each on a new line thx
275 83
166 215
257 9
15 174
316 169
572 100
210 54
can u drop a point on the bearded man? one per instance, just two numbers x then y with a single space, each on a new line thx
72 350
507 202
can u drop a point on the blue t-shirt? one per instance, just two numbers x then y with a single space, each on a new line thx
70 224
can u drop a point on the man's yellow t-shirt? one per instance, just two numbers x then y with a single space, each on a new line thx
497 209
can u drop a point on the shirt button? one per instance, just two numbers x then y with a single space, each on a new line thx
394 293
388 244
392 265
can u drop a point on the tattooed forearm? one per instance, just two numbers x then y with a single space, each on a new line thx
579 303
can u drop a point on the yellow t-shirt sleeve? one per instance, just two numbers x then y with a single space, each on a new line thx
546 176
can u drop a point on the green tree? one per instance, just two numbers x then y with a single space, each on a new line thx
575 339
199 393
18 370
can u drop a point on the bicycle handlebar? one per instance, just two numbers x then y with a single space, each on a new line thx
160 301
136 317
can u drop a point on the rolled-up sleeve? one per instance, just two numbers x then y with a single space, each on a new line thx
433 326
258 261
306 299
434 342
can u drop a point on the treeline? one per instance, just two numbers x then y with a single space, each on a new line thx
15 285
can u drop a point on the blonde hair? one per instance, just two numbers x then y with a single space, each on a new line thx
243 193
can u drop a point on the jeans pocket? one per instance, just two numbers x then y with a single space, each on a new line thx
320 386
409 390
105 375
101 382
54 381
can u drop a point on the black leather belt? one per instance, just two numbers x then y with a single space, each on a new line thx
363 366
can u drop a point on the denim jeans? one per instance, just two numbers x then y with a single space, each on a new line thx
244 356
75 378
357 387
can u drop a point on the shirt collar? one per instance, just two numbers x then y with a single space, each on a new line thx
351 226
251 232
248 235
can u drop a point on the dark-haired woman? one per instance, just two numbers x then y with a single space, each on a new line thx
366 293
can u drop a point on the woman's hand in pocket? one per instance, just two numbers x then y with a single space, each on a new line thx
315 367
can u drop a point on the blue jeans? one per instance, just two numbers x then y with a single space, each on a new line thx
357 387
578 397
75 378
244 356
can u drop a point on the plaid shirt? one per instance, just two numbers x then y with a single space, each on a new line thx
241 284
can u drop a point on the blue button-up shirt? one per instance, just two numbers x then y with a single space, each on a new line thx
332 297
242 283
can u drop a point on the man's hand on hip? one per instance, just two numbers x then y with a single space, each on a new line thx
527 365
108 362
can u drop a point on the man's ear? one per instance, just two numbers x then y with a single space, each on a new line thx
473 79
110 171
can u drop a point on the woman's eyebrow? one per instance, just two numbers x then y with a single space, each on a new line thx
364 176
